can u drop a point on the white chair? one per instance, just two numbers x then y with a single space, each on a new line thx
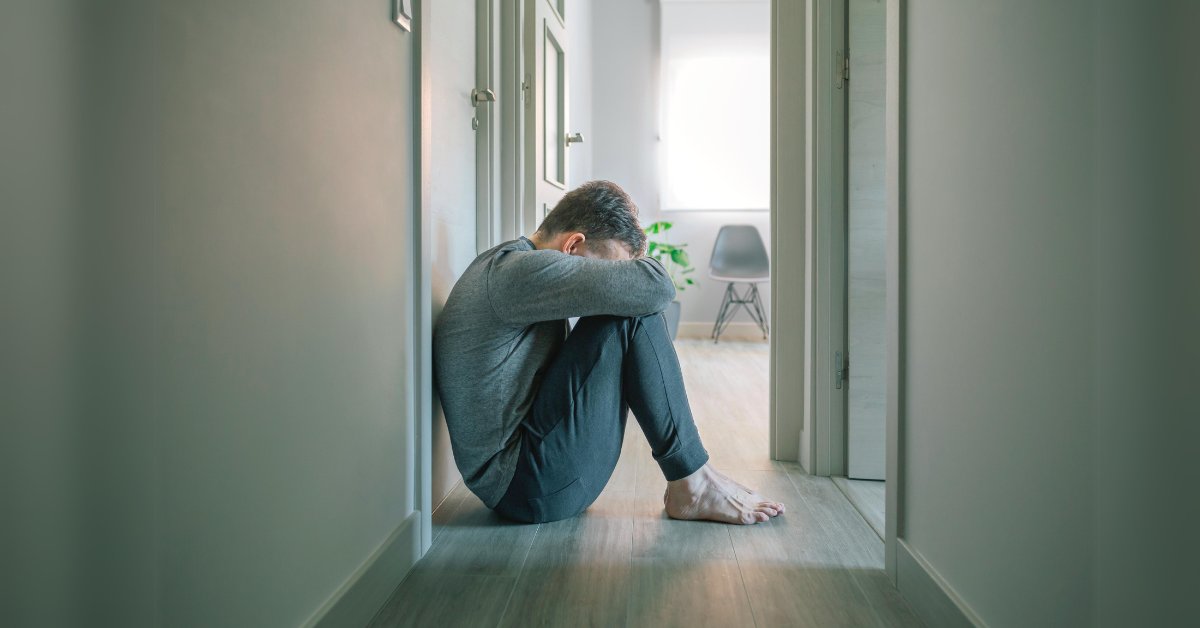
739 257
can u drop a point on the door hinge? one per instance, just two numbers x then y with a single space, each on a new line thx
526 85
842 69
841 368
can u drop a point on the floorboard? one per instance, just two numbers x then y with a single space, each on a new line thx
868 497
624 563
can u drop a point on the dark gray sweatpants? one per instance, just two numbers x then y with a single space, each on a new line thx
571 440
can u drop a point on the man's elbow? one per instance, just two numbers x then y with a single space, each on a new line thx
666 294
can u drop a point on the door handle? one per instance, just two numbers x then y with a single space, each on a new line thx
481 96
573 138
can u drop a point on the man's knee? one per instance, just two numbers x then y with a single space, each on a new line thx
655 320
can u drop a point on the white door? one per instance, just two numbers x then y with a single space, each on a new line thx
546 127
867 242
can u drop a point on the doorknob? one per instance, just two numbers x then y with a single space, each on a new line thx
573 138
482 95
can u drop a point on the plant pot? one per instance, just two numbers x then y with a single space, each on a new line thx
672 315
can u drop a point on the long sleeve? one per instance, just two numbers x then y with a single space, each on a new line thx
525 287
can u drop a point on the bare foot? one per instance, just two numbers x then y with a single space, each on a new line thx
708 494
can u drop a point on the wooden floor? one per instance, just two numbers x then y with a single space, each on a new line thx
868 497
624 563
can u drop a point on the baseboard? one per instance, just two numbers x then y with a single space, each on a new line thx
740 330
357 601
929 595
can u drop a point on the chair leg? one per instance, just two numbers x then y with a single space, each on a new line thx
750 300
726 301
761 317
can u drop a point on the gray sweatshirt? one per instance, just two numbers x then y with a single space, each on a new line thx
502 324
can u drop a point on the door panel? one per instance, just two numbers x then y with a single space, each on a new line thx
546 121
554 105
866 243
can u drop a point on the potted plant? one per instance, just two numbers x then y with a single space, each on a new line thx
674 258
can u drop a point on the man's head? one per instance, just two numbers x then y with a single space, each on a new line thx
596 219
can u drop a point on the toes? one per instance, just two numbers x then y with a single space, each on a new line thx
768 508
754 516
776 506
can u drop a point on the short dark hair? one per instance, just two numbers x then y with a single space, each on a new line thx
600 210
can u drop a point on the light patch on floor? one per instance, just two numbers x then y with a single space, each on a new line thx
624 563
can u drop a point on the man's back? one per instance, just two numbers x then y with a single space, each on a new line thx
501 326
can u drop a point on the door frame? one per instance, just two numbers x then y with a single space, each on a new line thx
500 122
419 358
822 443
789 299
507 50
800 428
807 234
488 219
895 63
825 112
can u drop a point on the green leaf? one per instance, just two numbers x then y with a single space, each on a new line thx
680 256
690 281
657 227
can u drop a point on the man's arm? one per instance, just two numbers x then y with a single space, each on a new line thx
526 287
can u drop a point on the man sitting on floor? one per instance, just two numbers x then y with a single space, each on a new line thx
536 411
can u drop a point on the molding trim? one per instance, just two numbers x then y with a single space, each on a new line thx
825 209
421 348
738 330
788 255
361 596
929 595
894 139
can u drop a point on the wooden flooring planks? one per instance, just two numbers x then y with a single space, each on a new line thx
624 563
798 569
477 541
685 573
578 573
868 497
434 598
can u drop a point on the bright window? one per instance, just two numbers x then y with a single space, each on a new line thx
716 108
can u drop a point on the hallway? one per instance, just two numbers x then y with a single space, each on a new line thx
623 563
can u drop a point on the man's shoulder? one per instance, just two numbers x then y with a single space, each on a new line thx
520 244
469 297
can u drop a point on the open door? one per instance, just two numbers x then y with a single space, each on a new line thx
545 87
866 234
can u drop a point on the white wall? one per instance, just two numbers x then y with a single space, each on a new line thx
1147 302
219 233
286 185
1043 466
39 224
625 115
998 495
